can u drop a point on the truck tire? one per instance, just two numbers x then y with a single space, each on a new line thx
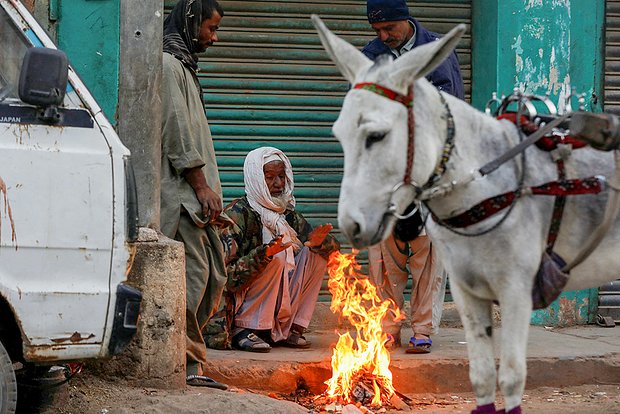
8 384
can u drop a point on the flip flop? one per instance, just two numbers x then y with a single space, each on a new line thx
419 345
202 381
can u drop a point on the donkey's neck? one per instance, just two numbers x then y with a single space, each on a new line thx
479 139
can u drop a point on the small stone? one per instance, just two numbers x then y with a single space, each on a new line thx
351 409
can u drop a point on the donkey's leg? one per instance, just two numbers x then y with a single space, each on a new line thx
516 305
477 320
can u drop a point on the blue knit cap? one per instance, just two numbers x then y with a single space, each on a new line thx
386 10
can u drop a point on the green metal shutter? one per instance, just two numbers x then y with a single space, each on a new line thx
612 57
268 82
609 295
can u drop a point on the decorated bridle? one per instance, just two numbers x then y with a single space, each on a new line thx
407 101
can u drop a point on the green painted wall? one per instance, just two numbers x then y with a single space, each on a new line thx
542 47
538 46
88 31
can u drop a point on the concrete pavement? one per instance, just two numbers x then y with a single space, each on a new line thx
556 357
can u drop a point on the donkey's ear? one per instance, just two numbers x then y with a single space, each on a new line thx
347 58
422 60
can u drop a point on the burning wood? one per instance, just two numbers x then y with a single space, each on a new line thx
360 365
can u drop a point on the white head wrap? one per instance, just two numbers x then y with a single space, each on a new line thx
257 192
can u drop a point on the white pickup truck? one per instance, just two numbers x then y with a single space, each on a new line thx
67 212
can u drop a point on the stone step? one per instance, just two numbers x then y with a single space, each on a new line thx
555 358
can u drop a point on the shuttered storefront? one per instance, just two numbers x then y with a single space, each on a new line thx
268 82
609 295
612 57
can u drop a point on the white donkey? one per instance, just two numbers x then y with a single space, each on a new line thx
498 265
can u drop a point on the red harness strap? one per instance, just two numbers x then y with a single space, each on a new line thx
406 100
490 206
560 188
549 143
545 143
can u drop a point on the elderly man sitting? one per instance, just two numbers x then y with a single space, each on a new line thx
275 260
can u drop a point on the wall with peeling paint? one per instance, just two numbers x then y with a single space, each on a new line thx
542 47
539 46
89 32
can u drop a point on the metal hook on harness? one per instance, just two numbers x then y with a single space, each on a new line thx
392 206
392 211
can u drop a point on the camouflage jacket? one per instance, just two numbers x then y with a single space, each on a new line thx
243 243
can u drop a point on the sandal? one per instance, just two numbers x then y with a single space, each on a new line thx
392 342
419 345
246 340
296 339
202 381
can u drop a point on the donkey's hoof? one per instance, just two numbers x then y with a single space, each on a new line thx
485 409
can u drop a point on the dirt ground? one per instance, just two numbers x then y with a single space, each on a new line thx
88 394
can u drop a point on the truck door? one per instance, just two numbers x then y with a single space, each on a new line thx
56 211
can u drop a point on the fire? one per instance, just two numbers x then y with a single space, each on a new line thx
365 357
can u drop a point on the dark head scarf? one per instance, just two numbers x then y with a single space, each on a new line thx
181 29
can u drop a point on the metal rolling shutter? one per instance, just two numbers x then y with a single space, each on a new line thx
268 82
609 295
609 301
612 57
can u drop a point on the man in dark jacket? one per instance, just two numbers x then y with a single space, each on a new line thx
398 33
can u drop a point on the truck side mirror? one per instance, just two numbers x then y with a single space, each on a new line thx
43 77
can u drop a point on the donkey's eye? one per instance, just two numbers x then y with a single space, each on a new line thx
374 137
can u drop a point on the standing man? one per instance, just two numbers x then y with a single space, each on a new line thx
191 193
398 33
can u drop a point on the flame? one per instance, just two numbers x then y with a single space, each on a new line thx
356 298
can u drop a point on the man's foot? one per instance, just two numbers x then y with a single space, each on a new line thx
393 341
419 345
247 340
296 338
202 381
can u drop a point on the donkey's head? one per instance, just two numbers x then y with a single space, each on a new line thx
373 132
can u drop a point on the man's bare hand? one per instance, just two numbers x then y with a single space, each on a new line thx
211 204
276 246
209 200
317 236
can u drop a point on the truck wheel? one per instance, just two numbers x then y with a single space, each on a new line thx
8 384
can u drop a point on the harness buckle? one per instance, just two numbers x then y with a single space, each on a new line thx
562 152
